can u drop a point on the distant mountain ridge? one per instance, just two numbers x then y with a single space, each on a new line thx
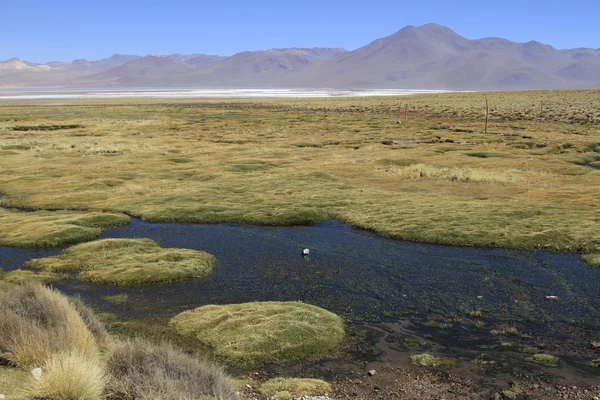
430 56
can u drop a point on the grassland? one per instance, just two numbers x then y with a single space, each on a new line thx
524 184
128 262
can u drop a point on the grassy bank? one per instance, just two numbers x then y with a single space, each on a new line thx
53 228
525 184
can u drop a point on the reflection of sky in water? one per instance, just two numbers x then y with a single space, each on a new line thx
357 274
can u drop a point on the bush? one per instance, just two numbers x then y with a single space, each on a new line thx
139 370
36 323
69 376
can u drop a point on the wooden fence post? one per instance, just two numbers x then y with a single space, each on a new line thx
486 114
406 114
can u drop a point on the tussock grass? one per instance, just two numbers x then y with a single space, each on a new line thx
140 370
49 229
263 332
36 323
69 376
128 262
427 360
294 387
592 259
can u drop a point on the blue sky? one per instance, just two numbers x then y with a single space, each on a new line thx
42 31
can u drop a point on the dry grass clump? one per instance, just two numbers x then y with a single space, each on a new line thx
456 174
294 387
69 376
36 323
427 360
128 262
49 229
592 259
140 370
263 332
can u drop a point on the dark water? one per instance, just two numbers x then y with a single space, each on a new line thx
358 274
362 276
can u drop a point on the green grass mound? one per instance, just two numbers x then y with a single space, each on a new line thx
288 388
592 259
427 360
128 262
54 228
263 332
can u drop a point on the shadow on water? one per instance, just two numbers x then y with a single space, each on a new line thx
453 296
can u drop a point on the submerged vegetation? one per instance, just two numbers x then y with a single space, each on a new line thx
263 332
428 360
128 262
297 161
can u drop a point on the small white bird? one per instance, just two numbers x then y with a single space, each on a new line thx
305 252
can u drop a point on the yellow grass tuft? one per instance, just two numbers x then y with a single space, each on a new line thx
69 376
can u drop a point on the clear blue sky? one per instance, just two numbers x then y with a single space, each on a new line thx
63 30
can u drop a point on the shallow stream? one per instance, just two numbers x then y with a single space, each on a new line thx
369 279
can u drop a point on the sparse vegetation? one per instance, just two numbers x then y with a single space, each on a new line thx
263 332
545 359
427 360
128 262
279 388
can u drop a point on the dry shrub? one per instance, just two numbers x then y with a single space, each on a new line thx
36 323
69 376
95 326
140 370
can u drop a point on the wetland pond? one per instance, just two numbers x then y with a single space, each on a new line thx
460 301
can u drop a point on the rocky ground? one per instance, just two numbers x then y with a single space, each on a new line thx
391 382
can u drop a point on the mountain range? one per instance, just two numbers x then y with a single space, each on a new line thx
430 56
